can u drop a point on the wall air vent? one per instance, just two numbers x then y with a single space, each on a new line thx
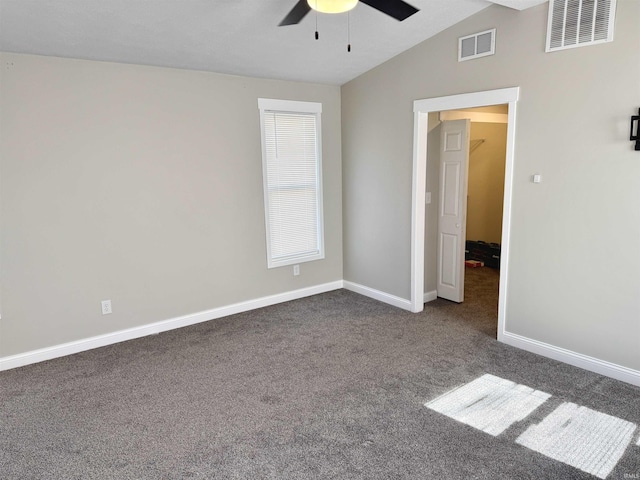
578 23
477 45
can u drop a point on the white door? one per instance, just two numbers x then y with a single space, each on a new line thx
454 167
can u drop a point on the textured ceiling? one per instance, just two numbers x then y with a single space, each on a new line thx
238 37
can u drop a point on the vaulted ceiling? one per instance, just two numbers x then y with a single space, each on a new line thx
238 37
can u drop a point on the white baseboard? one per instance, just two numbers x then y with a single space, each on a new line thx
70 348
567 356
378 295
430 296
592 364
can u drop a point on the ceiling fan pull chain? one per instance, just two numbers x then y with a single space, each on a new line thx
348 31
317 36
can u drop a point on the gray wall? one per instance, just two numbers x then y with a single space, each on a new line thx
140 185
431 210
486 182
574 272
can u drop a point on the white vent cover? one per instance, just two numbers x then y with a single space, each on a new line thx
477 45
577 23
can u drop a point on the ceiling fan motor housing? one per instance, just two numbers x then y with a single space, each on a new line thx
332 6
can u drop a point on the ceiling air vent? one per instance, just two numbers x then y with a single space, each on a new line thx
477 45
578 23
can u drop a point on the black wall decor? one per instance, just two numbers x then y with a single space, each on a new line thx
635 127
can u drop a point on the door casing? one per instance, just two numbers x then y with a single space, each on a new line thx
421 109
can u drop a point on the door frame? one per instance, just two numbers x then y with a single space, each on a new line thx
421 110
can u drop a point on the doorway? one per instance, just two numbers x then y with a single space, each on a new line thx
423 109
469 179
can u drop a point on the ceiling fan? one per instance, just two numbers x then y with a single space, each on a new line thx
397 9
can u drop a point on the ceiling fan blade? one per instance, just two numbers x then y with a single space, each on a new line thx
296 14
394 8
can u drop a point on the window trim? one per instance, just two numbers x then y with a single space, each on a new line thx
299 107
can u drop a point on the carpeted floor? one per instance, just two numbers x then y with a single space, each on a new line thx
328 387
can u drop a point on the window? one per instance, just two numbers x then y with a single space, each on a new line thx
291 168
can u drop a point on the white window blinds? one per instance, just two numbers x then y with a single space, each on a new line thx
292 181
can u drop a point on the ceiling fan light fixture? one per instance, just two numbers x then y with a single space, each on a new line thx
332 6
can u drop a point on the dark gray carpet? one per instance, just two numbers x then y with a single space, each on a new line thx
331 386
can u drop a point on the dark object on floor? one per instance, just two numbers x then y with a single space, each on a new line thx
489 253
473 263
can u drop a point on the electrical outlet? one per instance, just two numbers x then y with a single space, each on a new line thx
106 307
296 270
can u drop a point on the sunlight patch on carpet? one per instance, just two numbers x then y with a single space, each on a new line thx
489 403
588 440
